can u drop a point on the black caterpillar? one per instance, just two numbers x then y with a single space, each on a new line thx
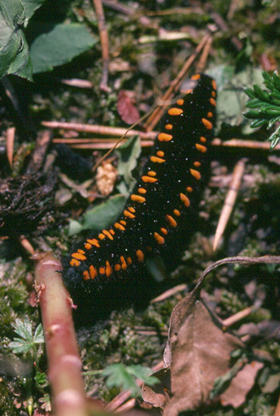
160 201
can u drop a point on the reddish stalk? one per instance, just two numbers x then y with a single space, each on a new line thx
61 345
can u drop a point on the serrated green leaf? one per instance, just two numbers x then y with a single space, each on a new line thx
23 329
118 376
27 341
59 46
39 335
101 216
143 373
14 51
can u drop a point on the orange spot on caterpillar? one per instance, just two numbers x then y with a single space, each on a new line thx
160 153
131 209
74 263
177 212
123 222
189 189
117 267
159 238
129 260
168 126
102 270
81 251
108 234
101 236
175 111
94 242
207 123
180 101
78 256
148 179
87 246
171 221
112 231
140 255
152 173
128 214
142 190
213 102
92 272
137 198
164 231
119 226
201 148
197 164
186 92
109 269
164 137
123 263
86 275
209 114
195 174
213 94
214 85
196 77
185 200
203 139
156 159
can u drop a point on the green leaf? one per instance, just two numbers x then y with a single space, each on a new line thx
118 376
27 341
59 46
30 6
143 373
14 51
99 217
128 154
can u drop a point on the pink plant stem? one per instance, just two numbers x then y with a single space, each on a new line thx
61 345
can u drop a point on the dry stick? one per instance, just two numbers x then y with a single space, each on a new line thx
62 350
88 128
98 144
229 200
238 260
248 144
238 316
104 43
156 116
204 55
10 139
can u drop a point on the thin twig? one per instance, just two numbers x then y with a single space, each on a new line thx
104 39
238 260
88 128
229 200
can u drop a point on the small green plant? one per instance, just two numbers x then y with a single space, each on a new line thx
125 377
27 343
265 105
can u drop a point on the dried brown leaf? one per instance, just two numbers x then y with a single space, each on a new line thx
126 108
198 352
240 385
